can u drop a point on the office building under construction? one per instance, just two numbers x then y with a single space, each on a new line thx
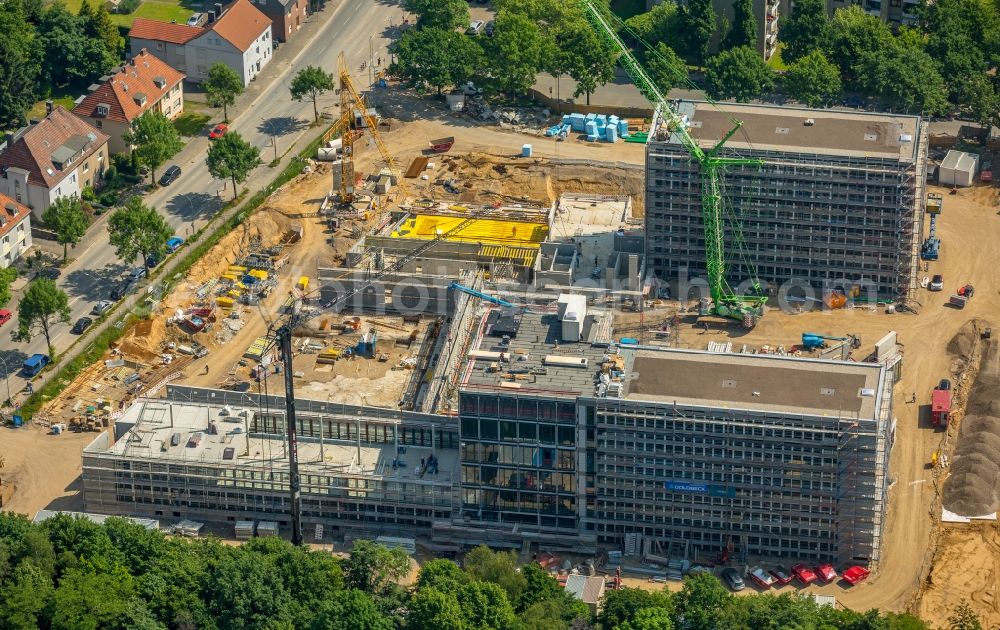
559 438
836 205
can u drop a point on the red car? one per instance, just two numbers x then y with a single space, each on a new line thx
826 572
805 575
855 574
781 574
4 316
218 131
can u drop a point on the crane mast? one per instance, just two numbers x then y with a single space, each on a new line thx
711 167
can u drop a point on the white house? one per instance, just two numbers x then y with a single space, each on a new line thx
15 230
240 38
55 157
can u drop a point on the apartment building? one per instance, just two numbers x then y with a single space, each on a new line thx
146 83
837 202
55 157
15 231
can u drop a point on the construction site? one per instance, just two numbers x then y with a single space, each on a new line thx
492 345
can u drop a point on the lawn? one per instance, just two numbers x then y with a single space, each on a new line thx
775 61
190 124
154 10
38 111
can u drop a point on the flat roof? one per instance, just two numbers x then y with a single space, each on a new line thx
539 336
776 128
156 421
585 215
757 382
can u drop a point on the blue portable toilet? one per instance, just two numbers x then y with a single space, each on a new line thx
526 150
17 420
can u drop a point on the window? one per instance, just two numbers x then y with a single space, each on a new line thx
86 167
99 124
159 45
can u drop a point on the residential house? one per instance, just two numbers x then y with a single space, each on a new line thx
145 83
240 38
287 16
15 230
587 589
55 157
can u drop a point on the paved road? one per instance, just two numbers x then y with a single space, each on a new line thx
352 26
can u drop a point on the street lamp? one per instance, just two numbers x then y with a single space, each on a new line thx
6 375
274 142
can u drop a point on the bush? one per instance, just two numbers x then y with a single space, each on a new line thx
109 198
88 195
128 6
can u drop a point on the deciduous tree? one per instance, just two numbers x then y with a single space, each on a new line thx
154 140
437 57
19 72
666 68
699 21
7 277
744 28
431 608
740 74
42 306
517 51
446 14
309 83
372 567
854 35
499 567
661 24
222 87
67 219
813 80
807 30
591 59
233 158
138 230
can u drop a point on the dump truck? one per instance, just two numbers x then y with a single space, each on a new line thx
856 574
940 405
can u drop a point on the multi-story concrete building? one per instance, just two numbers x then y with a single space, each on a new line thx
564 444
837 203
766 14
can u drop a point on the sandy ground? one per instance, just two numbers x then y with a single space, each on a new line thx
45 469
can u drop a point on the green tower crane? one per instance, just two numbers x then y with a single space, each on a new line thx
711 167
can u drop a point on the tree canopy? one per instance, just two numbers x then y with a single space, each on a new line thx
699 21
222 87
807 30
436 56
138 230
67 219
42 306
233 158
444 14
518 50
740 74
309 83
154 140
813 80
743 31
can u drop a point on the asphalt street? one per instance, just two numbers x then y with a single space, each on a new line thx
358 28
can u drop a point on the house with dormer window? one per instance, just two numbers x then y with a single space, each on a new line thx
57 156
145 83
15 231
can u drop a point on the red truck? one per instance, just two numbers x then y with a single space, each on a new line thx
941 403
856 574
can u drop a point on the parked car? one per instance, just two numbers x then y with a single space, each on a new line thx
81 325
198 19
804 574
34 364
218 131
762 578
119 291
51 273
174 243
937 283
152 260
136 273
170 175
781 574
475 27
5 316
826 572
733 579
488 29
101 307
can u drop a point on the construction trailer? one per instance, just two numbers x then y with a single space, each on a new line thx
837 202
958 169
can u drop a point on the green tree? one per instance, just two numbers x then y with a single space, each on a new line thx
698 21
621 605
231 157
982 95
222 87
432 609
67 219
854 35
78 607
807 30
649 619
663 23
351 609
436 56
154 140
813 80
592 61
98 26
443 575
740 74
702 601
42 306
963 37
744 29
309 83
499 567
26 595
906 75
138 230
964 618
486 607
20 70
372 567
7 277
244 591
446 14
517 51
666 68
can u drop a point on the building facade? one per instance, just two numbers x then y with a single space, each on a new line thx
287 16
836 204
58 156
15 230
146 83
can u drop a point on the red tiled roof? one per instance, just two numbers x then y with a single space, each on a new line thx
33 150
241 25
138 76
163 31
11 212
